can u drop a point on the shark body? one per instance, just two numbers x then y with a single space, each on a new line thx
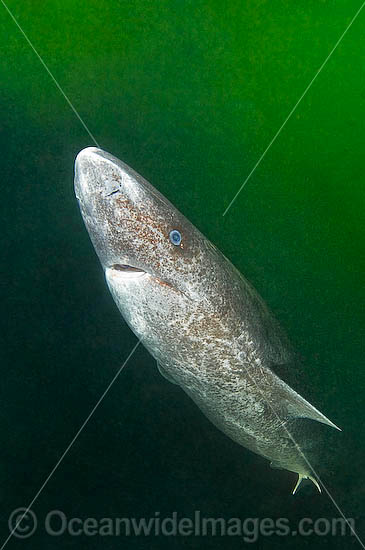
206 326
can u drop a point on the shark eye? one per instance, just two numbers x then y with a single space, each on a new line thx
175 237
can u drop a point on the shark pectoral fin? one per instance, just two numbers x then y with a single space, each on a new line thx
299 407
275 465
300 479
165 375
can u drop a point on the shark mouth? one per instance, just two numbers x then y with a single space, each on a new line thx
127 270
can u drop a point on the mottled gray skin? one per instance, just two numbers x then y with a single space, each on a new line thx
203 322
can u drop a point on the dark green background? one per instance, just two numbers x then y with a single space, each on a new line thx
189 93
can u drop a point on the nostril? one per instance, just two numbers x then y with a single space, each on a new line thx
110 186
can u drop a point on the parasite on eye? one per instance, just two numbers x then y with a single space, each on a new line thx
175 237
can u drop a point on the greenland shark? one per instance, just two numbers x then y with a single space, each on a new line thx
206 326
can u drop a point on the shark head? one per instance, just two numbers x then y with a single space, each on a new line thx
137 233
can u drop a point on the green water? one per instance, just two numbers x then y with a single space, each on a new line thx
189 94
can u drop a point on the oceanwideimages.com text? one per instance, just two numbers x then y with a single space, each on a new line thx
23 523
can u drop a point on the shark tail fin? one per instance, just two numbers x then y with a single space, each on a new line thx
300 479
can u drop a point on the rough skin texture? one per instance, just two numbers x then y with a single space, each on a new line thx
203 322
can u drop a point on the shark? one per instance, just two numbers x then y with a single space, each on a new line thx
204 323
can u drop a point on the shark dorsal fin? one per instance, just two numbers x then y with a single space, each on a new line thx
298 407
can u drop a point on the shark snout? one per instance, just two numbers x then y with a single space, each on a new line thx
90 178
99 174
